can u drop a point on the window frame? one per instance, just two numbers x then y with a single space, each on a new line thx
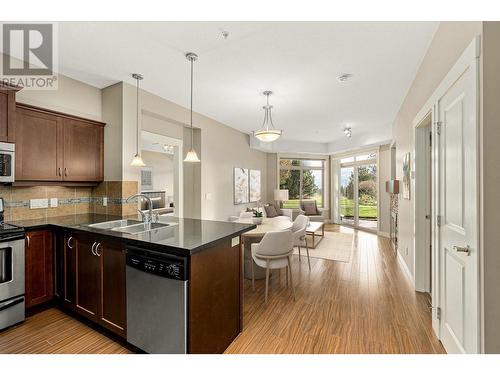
301 169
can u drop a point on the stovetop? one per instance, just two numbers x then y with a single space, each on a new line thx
7 230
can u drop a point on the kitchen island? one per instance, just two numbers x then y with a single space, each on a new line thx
89 273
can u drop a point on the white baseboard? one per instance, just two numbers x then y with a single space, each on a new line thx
406 269
384 234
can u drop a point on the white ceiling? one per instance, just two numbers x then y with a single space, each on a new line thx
299 61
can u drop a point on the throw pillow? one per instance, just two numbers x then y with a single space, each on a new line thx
271 211
310 208
278 209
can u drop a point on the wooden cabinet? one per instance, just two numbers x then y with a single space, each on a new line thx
87 278
83 151
100 281
38 267
51 146
65 268
215 303
7 113
113 287
38 154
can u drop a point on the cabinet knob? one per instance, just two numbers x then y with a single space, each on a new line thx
27 241
93 245
65 171
59 171
69 242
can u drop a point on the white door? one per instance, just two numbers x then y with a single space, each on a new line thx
457 115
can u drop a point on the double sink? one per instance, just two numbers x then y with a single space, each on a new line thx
128 226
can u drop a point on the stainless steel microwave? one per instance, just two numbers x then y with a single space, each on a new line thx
7 162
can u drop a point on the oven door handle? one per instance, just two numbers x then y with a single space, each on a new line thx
14 302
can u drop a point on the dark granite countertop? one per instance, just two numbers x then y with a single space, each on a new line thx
183 236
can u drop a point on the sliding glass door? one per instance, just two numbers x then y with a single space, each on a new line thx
358 195
367 196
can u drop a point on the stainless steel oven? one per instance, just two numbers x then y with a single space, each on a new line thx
7 162
11 277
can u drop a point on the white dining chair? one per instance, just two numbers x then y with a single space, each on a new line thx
273 252
299 228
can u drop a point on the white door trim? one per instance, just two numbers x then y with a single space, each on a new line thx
469 58
421 242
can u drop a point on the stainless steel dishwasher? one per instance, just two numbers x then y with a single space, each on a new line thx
156 301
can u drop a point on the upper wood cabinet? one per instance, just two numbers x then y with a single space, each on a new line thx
7 114
52 146
38 152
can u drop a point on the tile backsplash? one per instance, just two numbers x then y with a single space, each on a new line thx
71 200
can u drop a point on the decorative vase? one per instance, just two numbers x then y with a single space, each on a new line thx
257 220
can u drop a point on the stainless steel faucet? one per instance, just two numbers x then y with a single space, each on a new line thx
145 218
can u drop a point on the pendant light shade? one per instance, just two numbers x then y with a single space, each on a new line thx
267 133
137 159
191 156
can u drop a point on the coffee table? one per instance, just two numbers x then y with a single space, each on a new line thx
312 229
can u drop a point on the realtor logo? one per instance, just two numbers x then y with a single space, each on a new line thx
28 55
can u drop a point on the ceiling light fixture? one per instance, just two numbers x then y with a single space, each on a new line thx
137 159
348 132
191 156
344 77
267 133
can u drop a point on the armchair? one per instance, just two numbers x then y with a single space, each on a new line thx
312 211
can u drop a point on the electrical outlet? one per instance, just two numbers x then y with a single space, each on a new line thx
54 202
39 203
105 201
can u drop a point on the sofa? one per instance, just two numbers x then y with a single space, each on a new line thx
267 212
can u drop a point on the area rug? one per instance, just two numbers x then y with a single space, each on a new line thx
334 246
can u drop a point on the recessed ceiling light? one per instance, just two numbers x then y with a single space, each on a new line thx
224 33
344 77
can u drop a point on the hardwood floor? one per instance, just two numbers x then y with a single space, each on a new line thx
364 306
53 331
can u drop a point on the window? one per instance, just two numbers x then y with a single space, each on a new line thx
304 179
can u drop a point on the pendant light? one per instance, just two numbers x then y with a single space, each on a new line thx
267 133
137 160
191 156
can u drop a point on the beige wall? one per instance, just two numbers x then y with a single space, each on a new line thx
490 160
384 174
72 97
449 42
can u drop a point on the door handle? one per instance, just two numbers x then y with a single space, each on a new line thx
93 252
59 172
98 246
462 249
65 171
28 241
68 242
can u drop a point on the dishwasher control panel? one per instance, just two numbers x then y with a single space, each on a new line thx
171 267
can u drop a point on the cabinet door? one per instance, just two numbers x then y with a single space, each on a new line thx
65 263
38 151
83 151
38 264
7 114
113 312
87 278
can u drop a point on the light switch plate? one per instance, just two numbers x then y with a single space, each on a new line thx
39 203
235 241
54 202
105 201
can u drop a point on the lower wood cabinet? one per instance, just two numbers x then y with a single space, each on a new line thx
92 278
38 267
